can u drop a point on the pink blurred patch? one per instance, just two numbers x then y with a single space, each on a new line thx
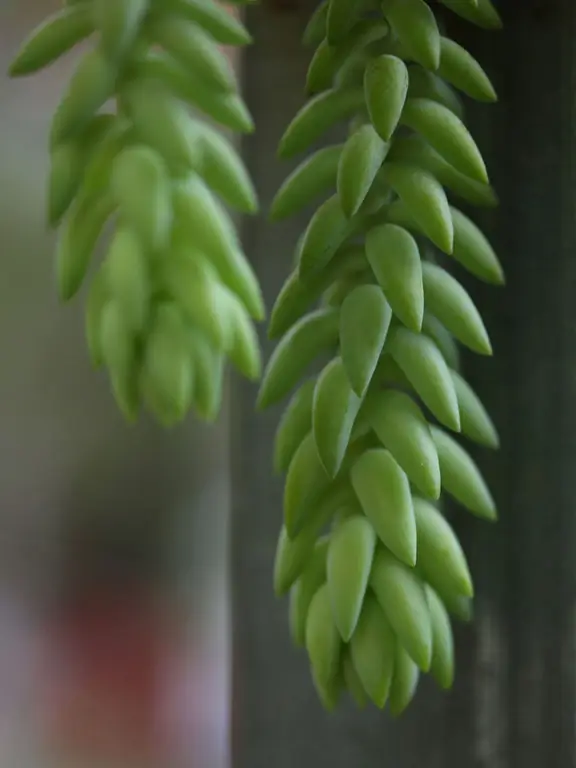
111 673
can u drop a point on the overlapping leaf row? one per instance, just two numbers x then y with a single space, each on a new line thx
175 295
372 566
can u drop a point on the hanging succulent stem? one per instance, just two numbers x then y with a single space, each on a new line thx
174 295
373 568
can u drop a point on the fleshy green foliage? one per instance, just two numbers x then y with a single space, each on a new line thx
174 296
372 566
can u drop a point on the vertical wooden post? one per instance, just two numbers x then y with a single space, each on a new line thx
514 701
525 567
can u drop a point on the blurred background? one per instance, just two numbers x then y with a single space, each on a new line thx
136 607
113 539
